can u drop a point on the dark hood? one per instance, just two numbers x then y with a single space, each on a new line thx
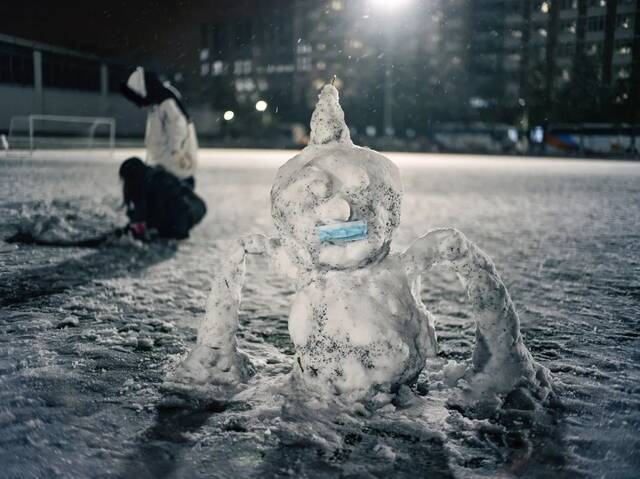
156 93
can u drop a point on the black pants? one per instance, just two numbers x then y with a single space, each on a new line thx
190 182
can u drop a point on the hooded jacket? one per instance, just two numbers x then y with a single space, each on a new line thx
155 197
170 136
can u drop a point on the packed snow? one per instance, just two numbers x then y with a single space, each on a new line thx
357 322
91 338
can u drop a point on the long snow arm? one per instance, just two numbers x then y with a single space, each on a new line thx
220 323
215 359
499 350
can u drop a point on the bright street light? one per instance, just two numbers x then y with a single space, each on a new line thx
389 5
228 115
261 105
389 9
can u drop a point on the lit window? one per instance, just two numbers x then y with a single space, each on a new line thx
204 69
337 5
623 21
321 66
204 54
304 64
623 47
623 73
477 102
245 85
217 68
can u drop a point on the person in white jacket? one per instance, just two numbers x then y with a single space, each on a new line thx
170 137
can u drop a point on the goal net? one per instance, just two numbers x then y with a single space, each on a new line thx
55 132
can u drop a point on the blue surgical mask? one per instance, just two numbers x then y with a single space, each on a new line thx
342 232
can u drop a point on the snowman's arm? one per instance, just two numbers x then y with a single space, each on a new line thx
215 359
220 324
498 335
429 249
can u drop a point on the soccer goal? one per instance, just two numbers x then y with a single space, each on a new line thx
29 133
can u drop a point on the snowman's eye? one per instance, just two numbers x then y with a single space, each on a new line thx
354 179
319 189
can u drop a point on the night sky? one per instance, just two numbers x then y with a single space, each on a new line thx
128 31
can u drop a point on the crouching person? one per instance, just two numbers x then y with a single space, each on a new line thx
158 204
170 137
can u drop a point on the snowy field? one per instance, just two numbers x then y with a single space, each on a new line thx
87 336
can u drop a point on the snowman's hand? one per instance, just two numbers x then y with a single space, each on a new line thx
436 246
257 244
272 249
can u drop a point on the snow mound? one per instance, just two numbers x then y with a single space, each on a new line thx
68 220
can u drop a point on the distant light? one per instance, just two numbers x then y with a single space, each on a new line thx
228 115
261 105
477 102
512 133
544 8
389 5
370 130
537 134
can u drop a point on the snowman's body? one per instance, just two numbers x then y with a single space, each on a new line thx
357 321
360 328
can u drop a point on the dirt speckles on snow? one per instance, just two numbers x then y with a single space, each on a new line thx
77 400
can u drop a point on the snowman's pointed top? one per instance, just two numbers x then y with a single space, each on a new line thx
327 121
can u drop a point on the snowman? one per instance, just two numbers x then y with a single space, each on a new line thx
357 321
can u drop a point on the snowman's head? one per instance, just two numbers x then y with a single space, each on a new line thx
332 182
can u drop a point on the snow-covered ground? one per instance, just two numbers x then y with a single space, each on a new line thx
87 336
